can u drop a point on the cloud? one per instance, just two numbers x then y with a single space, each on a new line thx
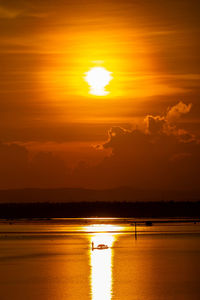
17 170
176 111
166 123
23 10
155 124
47 169
6 13
161 157
13 165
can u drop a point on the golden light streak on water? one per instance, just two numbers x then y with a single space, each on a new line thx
101 262
103 228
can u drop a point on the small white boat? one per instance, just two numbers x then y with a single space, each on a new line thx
99 247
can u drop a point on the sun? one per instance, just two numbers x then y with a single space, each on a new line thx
98 78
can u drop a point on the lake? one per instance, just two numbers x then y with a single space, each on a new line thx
53 259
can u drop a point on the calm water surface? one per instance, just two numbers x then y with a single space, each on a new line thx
53 259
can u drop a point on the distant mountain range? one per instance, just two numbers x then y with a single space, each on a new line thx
121 194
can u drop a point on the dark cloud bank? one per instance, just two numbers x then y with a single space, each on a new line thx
160 157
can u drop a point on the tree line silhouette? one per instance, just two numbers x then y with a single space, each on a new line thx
100 209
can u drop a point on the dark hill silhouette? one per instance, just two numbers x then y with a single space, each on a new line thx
89 195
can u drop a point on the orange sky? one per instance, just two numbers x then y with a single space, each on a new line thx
50 122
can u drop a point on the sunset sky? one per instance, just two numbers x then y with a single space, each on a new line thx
144 132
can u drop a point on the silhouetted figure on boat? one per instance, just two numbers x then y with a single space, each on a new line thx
99 247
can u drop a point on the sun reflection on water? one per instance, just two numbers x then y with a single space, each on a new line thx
103 228
102 262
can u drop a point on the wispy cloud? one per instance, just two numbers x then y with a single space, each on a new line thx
6 13
20 12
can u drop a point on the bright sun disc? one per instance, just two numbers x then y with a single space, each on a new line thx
98 78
